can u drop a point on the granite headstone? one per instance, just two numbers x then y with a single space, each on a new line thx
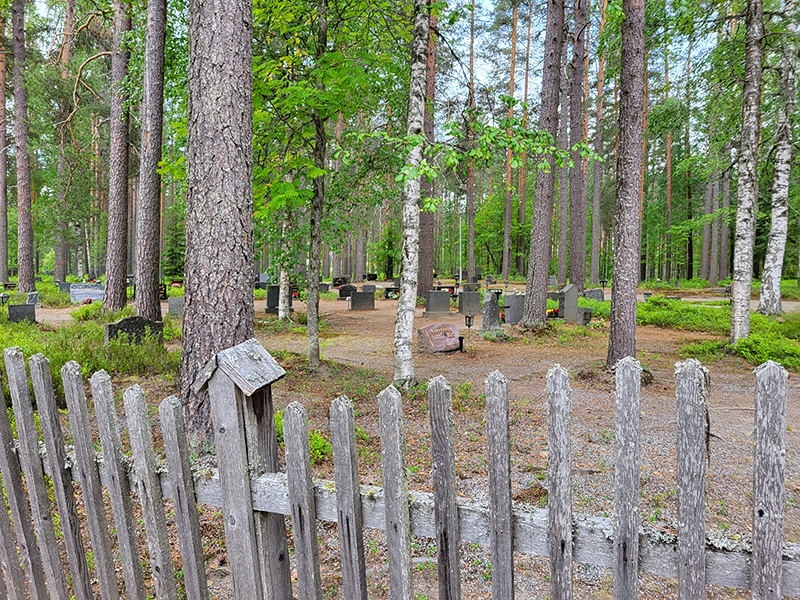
469 303
346 290
570 303
175 306
552 281
362 301
33 297
514 304
584 315
80 292
63 287
368 287
136 328
324 287
491 312
437 304
594 294
439 337
22 312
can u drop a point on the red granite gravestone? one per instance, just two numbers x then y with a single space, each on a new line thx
440 337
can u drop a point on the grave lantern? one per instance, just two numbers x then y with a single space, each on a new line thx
468 321
603 282
239 382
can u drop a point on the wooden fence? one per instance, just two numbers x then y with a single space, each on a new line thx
255 497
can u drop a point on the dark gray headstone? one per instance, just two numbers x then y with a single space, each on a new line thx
439 337
647 296
514 304
469 303
552 281
33 297
491 312
478 272
22 312
437 303
79 292
372 277
362 301
136 328
584 315
338 281
63 287
324 287
471 287
368 287
594 294
175 306
37 280
346 290
570 303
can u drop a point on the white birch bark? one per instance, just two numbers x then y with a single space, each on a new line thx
747 188
770 302
404 373
284 312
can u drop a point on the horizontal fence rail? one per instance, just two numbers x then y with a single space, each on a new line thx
255 498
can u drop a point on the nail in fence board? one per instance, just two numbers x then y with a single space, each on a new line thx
20 512
60 475
118 485
34 473
147 486
395 492
89 478
626 479
769 469
301 497
440 406
690 391
348 499
176 448
502 525
559 485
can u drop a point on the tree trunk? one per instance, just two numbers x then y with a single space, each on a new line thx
117 254
690 241
770 302
577 218
471 143
747 187
285 292
148 203
622 337
404 373
535 310
507 212
563 173
219 194
594 275
317 200
3 157
523 167
426 217
706 241
26 281
724 233
59 243
713 267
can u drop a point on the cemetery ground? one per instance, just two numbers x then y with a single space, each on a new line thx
357 362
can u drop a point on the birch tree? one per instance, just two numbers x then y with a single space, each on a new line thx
770 302
404 373
747 188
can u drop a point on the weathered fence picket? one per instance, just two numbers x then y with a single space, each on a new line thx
254 497
692 430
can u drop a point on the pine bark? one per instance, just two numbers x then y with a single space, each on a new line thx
404 372
471 143
622 337
522 177
577 216
563 172
594 273
3 157
706 240
26 281
148 203
427 218
770 302
535 310
59 243
507 212
747 187
713 266
219 194
117 244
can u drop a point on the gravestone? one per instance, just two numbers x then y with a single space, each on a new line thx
362 301
33 297
346 290
570 303
372 277
175 306
396 282
37 280
273 297
437 304
478 272
469 303
391 293
490 280
514 304
324 287
594 294
22 312
471 287
80 292
647 296
340 281
439 337
552 281
584 316
367 287
136 328
63 287
491 312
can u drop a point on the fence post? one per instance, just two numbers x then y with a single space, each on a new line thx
348 499
301 498
559 486
395 491
176 448
233 376
60 475
626 479
769 469
692 431
34 473
147 486
89 478
119 487
502 526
